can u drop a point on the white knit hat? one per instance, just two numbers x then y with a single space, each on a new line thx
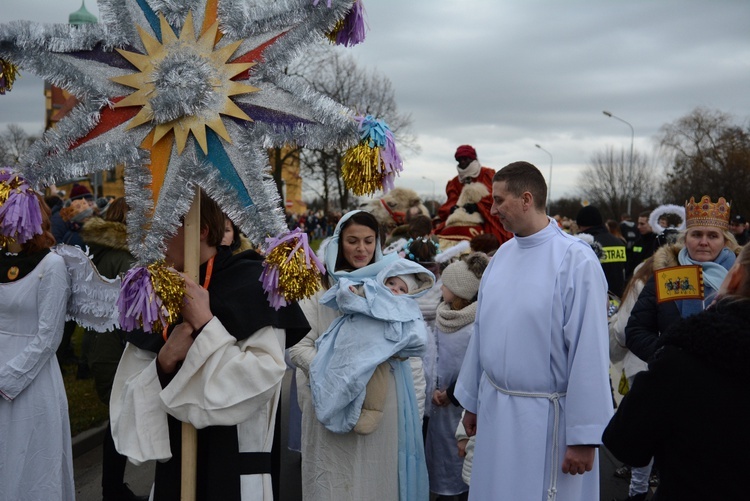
462 277
410 279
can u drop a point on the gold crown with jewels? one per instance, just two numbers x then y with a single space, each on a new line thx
705 213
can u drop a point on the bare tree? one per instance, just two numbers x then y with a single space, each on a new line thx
707 154
335 73
14 141
604 182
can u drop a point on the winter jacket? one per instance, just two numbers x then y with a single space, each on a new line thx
689 409
108 245
649 319
613 258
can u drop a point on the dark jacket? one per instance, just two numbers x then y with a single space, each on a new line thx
643 249
58 227
613 258
648 318
689 410
108 245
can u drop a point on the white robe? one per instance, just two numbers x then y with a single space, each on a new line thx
342 466
542 328
36 461
222 382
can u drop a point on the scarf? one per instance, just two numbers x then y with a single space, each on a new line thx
470 173
449 320
713 275
413 482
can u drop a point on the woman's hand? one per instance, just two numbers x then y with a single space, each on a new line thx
175 349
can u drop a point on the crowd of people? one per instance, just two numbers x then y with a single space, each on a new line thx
464 356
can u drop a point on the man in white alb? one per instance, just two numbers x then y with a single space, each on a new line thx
534 381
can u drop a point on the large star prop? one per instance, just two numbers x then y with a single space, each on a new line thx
182 93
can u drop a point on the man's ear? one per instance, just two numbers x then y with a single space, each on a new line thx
204 233
528 199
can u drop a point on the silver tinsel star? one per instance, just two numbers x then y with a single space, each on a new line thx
182 92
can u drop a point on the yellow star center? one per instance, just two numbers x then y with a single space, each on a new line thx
184 97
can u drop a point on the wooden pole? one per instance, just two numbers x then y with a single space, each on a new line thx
192 268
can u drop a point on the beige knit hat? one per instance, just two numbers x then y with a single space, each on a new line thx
462 277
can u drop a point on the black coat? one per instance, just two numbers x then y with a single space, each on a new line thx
613 259
690 410
647 320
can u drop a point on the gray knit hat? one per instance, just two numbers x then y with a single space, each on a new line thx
462 277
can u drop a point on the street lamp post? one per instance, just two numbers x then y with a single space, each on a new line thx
433 186
549 183
630 169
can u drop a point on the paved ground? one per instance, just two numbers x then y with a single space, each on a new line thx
88 471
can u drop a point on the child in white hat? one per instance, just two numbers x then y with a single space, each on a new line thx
454 324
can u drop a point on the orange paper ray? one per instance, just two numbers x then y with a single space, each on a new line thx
160 153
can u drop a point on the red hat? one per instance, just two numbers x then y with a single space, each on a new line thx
79 191
466 151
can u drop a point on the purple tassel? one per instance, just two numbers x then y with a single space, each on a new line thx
138 303
354 30
20 214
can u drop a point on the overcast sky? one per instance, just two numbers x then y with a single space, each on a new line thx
504 75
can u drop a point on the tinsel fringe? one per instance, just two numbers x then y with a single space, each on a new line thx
93 300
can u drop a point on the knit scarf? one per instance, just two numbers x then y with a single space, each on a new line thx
470 173
713 275
449 320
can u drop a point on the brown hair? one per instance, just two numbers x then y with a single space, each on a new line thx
117 210
212 218
420 226
460 303
520 177
45 240
641 274
743 260
484 242
614 228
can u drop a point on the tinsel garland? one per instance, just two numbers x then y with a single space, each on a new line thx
20 213
374 163
8 73
291 270
150 297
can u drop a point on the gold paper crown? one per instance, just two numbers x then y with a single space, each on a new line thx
705 213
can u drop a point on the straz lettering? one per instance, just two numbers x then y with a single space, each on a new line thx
613 255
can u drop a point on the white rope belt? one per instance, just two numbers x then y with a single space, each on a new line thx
554 399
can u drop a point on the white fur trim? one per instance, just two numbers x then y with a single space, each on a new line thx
653 218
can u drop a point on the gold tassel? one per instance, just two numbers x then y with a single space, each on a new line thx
361 169
170 287
8 75
296 280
